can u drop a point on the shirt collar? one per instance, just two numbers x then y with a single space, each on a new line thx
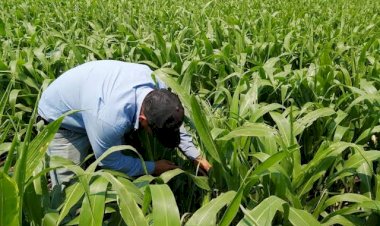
140 96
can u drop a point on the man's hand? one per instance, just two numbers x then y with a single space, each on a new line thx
163 166
203 164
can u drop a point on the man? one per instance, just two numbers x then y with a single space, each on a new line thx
113 98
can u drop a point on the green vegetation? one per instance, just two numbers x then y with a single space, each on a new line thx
283 97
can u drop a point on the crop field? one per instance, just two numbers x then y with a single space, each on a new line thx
282 98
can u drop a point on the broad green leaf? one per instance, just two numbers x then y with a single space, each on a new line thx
201 125
233 207
234 105
165 210
168 175
73 194
187 71
200 181
317 173
98 191
50 219
21 164
338 219
264 212
377 187
365 173
357 159
310 117
323 153
135 192
347 197
283 126
89 48
33 205
369 97
129 209
258 111
38 146
206 215
2 29
111 150
364 135
272 160
301 218
269 68
9 201
251 129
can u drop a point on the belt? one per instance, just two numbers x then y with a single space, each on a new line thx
46 122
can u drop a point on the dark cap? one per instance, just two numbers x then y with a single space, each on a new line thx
165 115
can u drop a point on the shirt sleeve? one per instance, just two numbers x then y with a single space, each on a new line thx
103 136
187 145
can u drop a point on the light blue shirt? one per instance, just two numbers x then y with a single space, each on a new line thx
109 95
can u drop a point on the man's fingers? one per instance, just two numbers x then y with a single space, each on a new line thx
203 164
169 162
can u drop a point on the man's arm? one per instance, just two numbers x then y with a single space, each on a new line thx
188 148
102 136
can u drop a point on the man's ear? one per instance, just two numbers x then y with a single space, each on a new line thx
143 120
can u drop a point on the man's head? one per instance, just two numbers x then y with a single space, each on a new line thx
162 114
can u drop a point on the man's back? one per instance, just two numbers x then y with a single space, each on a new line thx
103 89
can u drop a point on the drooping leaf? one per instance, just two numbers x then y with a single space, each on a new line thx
206 215
263 213
251 129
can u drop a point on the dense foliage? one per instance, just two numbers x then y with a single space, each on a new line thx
282 98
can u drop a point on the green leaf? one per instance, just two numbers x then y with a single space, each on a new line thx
263 213
92 167
9 201
98 190
206 215
165 210
339 220
50 219
200 181
301 218
33 205
366 133
136 193
272 160
369 97
251 129
39 145
347 197
201 125
258 111
310 117
73 194
168 175
283 126
232 208
129 210
2 29
357 159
